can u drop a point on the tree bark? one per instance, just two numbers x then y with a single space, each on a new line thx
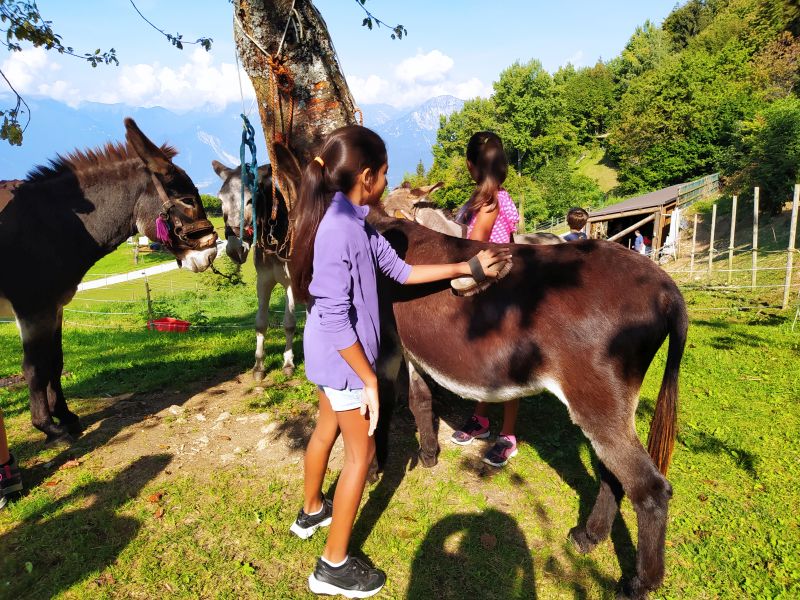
316 86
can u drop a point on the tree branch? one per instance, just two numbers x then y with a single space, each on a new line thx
10 129
398 30
177 39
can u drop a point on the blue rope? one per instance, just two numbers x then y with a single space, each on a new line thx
249 175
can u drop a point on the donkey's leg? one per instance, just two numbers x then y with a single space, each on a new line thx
289 319
606 507
265 283
649 492
38 336
55 394
420 401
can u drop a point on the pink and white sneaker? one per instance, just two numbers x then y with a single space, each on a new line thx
471 430
503 449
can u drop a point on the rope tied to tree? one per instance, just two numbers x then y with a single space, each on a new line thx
281 83
249 175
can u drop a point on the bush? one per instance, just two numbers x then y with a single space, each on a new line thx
776 153
228 274
212 204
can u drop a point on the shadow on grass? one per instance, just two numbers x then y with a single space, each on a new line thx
188 377
698 441
459 557
544 423
546 426
64 549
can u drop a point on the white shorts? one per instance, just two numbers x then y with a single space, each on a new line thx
342 400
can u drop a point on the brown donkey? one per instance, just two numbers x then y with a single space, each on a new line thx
63 218
582 320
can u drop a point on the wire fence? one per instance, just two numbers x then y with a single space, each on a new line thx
740 277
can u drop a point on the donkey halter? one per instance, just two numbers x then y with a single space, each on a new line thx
189 234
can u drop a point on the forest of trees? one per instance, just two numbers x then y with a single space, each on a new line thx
714 88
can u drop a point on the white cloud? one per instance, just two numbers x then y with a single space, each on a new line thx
62 90
415 80
197 83
429 67
203 81
369 90
24 68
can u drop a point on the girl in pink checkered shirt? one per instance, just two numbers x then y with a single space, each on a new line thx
490 216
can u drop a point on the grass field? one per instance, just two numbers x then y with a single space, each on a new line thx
99 520
595 165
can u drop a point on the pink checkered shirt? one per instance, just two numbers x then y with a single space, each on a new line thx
506 223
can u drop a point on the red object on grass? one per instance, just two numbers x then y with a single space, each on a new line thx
169 324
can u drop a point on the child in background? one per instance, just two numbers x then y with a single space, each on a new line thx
336 275
491 216
576 219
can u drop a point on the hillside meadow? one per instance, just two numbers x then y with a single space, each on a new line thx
189 475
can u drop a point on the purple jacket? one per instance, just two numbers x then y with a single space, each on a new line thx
344 293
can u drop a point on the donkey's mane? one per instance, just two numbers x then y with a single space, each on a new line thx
83 163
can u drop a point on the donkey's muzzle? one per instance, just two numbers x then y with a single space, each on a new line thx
197 235
236 249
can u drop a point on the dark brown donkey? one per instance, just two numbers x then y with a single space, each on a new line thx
581 320
61 219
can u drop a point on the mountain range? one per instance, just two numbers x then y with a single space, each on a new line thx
201 136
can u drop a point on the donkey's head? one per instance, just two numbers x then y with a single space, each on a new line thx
170 209
404 201
230 196
287 181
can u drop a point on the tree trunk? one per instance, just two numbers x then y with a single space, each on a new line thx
316 99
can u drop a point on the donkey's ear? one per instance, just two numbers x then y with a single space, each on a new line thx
287 171
221 170
153 157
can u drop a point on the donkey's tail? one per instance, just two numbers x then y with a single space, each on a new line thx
661 440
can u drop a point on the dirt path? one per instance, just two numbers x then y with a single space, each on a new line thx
212 428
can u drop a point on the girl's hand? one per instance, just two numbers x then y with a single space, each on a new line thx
493 260
370 404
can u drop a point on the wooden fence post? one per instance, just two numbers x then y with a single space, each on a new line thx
694 241
733 237
711 239
755 238
149 303
790 252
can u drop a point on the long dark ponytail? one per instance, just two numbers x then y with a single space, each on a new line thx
489 161
345 153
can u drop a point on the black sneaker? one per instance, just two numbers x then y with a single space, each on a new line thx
10 479
305 525
354 579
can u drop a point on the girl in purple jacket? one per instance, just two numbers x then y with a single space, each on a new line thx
336 276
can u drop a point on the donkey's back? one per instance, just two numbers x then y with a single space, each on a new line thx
588 303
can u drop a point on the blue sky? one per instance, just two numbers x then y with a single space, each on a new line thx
452 47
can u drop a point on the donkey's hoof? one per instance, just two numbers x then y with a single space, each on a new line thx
75 427
288 370
581 540
428 460
374 472
58 441
258 375
631 590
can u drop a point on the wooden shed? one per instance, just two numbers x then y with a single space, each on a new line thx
652 214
